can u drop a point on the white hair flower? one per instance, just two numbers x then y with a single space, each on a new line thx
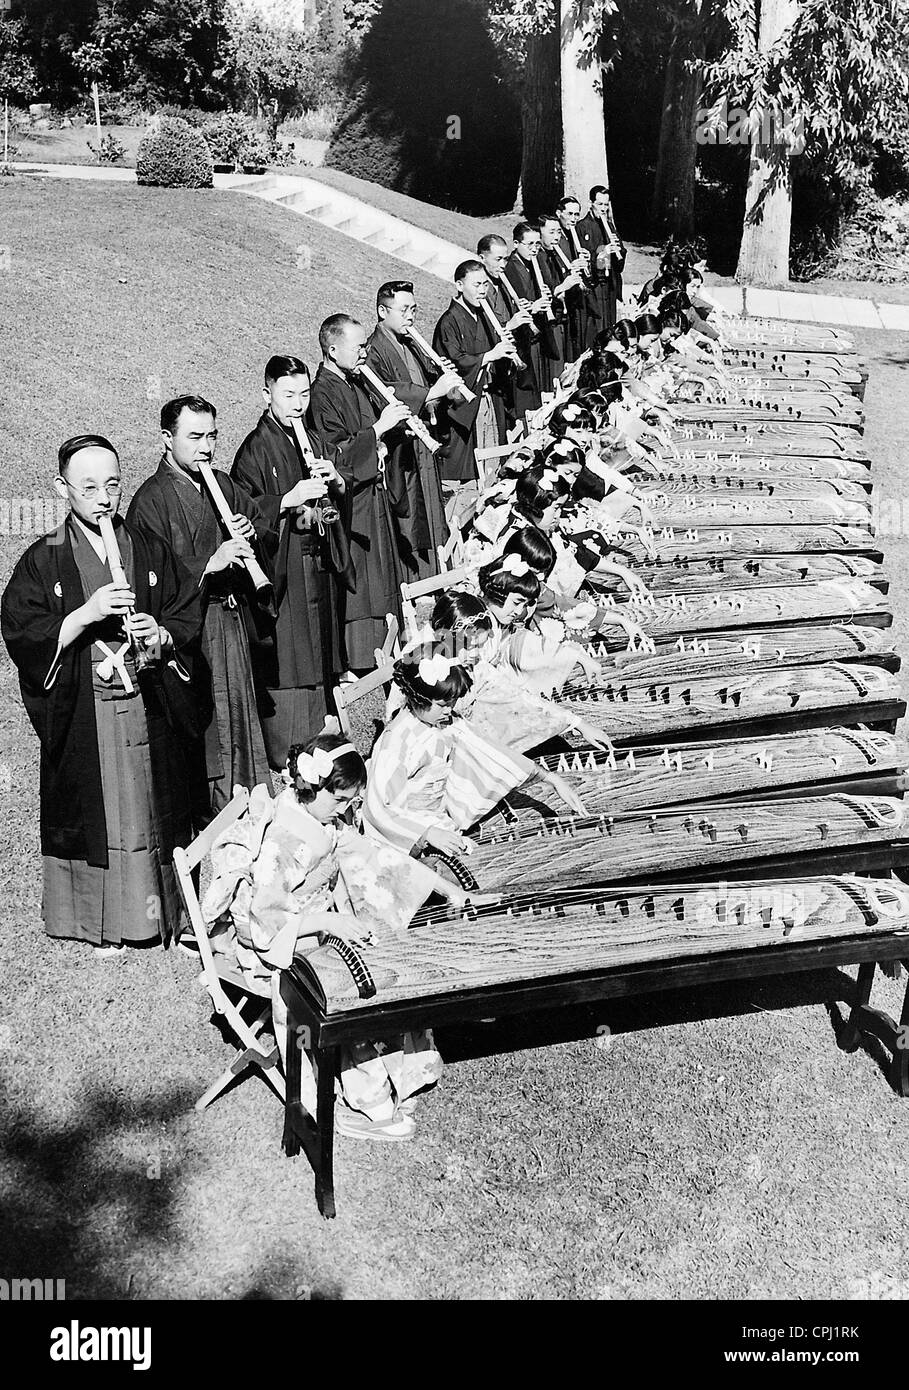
314 767
513 564
548 479
433 669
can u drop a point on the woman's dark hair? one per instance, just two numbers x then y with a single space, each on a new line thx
455 610
419 693
647 323
677 301
496 584
570 415
531 500
564 451
602 379
623 332
535 548
348 772
671 318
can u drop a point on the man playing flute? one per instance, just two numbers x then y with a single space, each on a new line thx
283 467
411 472
113 712
353 430
599 238
523 273
516 385
561 281
175 504
465 337
568 212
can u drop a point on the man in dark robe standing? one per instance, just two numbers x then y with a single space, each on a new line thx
411 472
282 467
523 273
112 706
599 238
561 281
465 337
513 382
568 212
175 504
342 415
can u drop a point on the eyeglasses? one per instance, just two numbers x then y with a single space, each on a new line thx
90 491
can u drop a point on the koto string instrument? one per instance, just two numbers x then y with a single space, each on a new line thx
755 779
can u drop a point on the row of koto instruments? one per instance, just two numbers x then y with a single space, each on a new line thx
754 794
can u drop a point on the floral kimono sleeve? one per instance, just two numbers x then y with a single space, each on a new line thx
233 855
383 886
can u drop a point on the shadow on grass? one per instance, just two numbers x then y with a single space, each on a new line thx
61 1180
730 999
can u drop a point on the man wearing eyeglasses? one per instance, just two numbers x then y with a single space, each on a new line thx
104 663
175 504
411 471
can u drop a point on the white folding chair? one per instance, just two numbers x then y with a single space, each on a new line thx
352 691
216 973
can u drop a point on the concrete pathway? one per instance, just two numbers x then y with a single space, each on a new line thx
423 250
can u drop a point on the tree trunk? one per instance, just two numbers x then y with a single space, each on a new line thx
672 208
541 162
583 123
764 252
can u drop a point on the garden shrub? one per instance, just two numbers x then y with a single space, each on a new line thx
174 155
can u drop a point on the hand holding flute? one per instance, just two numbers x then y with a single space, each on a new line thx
445 367
236 550
392 414
502 334
118 598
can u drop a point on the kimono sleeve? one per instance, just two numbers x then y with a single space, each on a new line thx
356 456
30 621
384 886
413 396
147 512
390 769
249 470
449 341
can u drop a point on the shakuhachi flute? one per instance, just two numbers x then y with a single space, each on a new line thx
501 333
430 352
413 423
255 571
324 508
541 284
579 253
118 576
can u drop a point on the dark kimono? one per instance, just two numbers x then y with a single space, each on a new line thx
341 413
171 506
575 302
517 386
299 659
534 344
552 331
411 472
606 288
465 338
115 793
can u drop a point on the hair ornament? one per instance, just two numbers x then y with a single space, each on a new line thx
433 669
513 564
314 767
548 479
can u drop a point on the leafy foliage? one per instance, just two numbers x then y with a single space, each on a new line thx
18 78
159 50
109 150
174 155
234 139
427 112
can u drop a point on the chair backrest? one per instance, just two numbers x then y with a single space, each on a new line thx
185 861
451 552
350 692
421 587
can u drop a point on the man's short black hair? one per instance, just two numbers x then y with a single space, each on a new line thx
487 242
466 267
279 366
597 189
333 329
386 293
172 410
81 441
521 230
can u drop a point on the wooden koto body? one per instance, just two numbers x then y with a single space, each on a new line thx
671 543
737 653
556 936
662 615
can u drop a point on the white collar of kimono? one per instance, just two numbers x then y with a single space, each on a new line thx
293 816
93 537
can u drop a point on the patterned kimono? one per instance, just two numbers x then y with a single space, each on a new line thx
280 877
421 777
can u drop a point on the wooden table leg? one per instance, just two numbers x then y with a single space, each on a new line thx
292 1072
851 1031
324 1061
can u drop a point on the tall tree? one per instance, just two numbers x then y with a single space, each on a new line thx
688 26
819 77
18 78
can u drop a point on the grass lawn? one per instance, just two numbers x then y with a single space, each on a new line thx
721 1147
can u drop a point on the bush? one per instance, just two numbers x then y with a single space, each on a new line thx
233 139
192 114
109 151
173 155
891 166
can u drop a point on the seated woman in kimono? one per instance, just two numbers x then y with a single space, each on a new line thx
292 869
431 775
